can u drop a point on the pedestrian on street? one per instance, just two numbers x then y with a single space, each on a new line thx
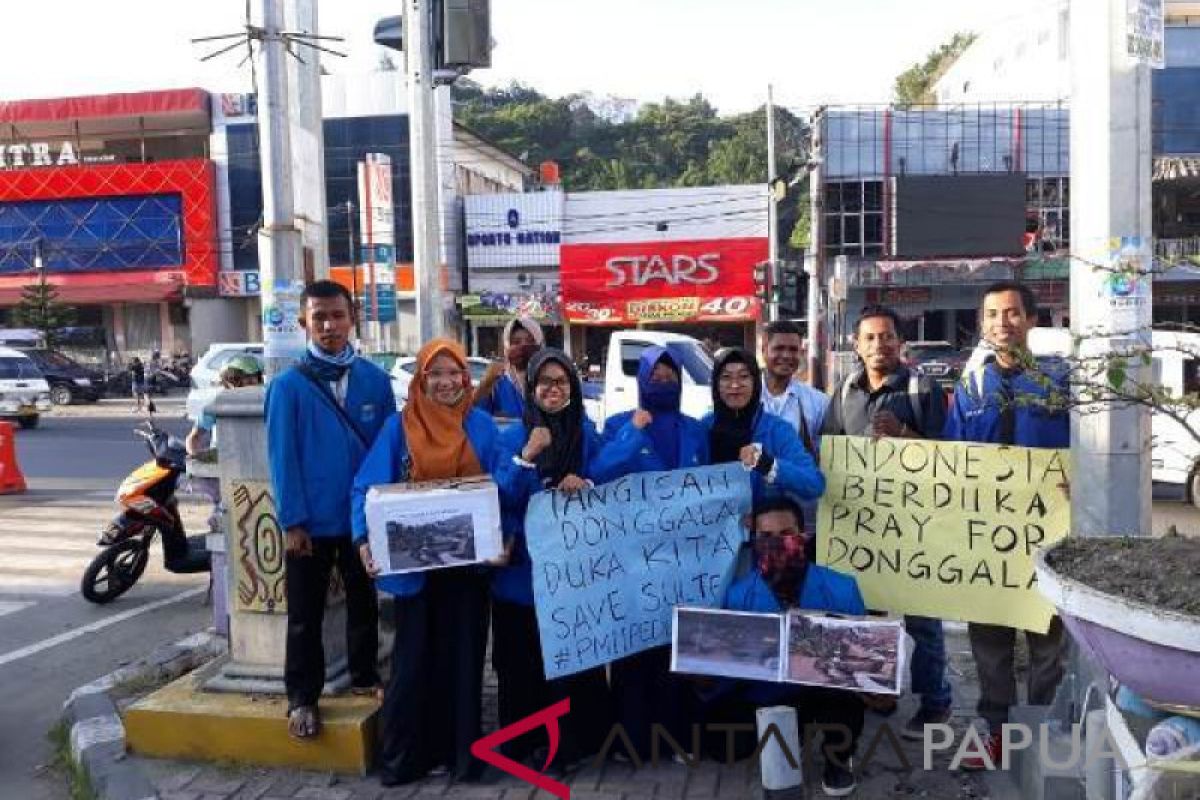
783 578
554 446
655 437
322 416
502 390
739 429
432 708
137 383
1006 400
884 398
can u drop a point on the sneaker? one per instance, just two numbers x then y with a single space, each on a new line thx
994 745
838 781
914 728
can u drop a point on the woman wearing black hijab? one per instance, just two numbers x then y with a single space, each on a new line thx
552 447
740 430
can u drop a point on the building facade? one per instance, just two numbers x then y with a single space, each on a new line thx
113 196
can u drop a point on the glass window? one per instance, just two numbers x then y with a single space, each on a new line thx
852 196
852 230
18 368
631 356
833 230
873 196
833 197
873 228
1191 376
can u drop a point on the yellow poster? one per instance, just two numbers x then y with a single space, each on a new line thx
943 529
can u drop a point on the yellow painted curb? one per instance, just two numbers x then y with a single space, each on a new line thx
178 721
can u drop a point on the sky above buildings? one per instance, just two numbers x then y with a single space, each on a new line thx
813 51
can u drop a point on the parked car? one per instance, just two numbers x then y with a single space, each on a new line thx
206 375
939 360
405 368
621 367
24 393
70 381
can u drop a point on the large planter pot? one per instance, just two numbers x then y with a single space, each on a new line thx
1153 651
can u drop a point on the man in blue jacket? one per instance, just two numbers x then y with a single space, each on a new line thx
322 416
1004 401
783 578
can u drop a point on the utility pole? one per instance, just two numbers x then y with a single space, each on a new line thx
422 135
772 214
351 249
279 242
1110 225
814 265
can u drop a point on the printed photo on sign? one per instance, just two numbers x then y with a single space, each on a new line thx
860 654
425 541
415 527
734 644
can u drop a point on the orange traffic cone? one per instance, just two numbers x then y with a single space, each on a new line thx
11 479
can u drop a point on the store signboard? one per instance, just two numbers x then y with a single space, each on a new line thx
662 281
514 230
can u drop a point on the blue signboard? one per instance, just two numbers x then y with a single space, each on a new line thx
611 562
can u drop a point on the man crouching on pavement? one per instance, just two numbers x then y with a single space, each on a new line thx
322 416
782 578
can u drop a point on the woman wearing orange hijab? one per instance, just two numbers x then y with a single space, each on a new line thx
431 708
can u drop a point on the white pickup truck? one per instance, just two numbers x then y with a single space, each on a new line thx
621 367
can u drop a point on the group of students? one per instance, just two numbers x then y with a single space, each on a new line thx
333 433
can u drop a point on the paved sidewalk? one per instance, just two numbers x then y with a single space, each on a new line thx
884 776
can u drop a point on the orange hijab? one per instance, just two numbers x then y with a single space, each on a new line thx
437 444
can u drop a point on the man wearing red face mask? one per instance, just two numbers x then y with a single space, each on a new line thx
501 392
783 578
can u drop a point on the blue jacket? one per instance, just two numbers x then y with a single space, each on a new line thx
514 583
975 413
312 455
388 462
505 399
797 473
824 590
628 449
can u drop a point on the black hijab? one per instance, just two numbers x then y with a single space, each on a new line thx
733 430
564 456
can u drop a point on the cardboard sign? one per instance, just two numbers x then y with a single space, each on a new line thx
611 562
415 527
943 529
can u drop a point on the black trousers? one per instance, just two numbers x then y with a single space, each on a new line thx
432 709
814 705
523 689
645 693
307 588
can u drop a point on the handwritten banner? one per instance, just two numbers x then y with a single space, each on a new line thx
943 529
611 562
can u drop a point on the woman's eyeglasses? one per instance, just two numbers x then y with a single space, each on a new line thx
440 375
553 383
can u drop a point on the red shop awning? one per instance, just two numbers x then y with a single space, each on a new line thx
141 286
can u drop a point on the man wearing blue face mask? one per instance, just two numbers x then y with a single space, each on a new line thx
655 437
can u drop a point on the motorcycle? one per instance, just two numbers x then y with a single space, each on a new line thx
147 497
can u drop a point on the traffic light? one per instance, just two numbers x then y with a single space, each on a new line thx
791 278
762 281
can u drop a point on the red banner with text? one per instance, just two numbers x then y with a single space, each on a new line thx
708 280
